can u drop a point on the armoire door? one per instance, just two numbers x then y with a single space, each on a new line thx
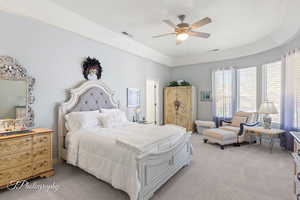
183 113
169 107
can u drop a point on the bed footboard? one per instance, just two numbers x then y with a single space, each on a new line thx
156 169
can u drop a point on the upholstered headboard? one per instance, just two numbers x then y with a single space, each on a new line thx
91 95
93 99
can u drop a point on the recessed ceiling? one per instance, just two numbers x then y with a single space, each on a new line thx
239 27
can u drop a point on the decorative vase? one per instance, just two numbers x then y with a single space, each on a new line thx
267 121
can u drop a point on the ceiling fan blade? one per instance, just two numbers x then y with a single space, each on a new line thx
178 42
201 22
170 23
162 35
199 34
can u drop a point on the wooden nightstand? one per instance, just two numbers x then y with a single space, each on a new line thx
24 156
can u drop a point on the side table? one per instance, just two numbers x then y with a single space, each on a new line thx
260 131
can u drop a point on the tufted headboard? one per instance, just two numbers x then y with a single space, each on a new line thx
93 99
91 95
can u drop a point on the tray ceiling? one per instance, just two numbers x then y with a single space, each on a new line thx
239 28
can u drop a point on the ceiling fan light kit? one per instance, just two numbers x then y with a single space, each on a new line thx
184 30
182 36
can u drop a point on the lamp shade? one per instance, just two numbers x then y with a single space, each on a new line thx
268 108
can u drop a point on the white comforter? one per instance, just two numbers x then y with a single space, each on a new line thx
110 153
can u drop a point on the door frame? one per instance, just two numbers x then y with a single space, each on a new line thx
157 110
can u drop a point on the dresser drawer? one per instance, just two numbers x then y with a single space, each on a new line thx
12 175
16 159
41 140
42 153
15 145
42 166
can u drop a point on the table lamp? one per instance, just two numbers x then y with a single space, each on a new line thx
267 108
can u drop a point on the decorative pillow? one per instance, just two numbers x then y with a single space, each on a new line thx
118 114
107 120
78 120
112 118
237 120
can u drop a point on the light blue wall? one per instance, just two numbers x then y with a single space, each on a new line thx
200 74
53 56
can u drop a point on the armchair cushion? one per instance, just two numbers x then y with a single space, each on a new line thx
231 128
251 116
237 120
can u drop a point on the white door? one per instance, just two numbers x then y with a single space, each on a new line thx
152 107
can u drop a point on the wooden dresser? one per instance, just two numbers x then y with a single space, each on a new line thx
180 106
25 156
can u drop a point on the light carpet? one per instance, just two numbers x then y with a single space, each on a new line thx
249 172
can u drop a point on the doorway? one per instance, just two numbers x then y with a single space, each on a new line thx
152 101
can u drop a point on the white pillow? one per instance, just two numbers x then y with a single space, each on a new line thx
104 110
112 118
118 114
107 120
78 120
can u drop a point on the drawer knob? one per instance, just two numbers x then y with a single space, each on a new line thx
298 152
298 177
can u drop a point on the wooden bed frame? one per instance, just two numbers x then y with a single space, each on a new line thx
154 169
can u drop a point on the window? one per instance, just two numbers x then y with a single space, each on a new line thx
271 80
222 83
246 89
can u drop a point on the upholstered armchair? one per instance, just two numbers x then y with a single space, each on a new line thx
239 123
231 132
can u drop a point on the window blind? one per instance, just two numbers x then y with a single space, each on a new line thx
272 83
222 83
246 89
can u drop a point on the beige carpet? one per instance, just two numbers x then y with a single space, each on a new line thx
249 172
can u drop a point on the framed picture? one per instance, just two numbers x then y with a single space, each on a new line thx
205 95
133 97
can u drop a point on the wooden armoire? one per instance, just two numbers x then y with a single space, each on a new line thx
180 106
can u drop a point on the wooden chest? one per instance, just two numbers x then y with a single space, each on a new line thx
25 156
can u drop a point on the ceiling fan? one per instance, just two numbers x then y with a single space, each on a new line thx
184 30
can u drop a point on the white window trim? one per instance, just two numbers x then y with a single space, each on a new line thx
260 87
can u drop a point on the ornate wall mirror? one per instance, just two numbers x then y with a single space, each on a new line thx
16 96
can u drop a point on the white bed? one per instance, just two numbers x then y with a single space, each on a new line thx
135 158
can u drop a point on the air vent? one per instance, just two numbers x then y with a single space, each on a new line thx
215 50
127 34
